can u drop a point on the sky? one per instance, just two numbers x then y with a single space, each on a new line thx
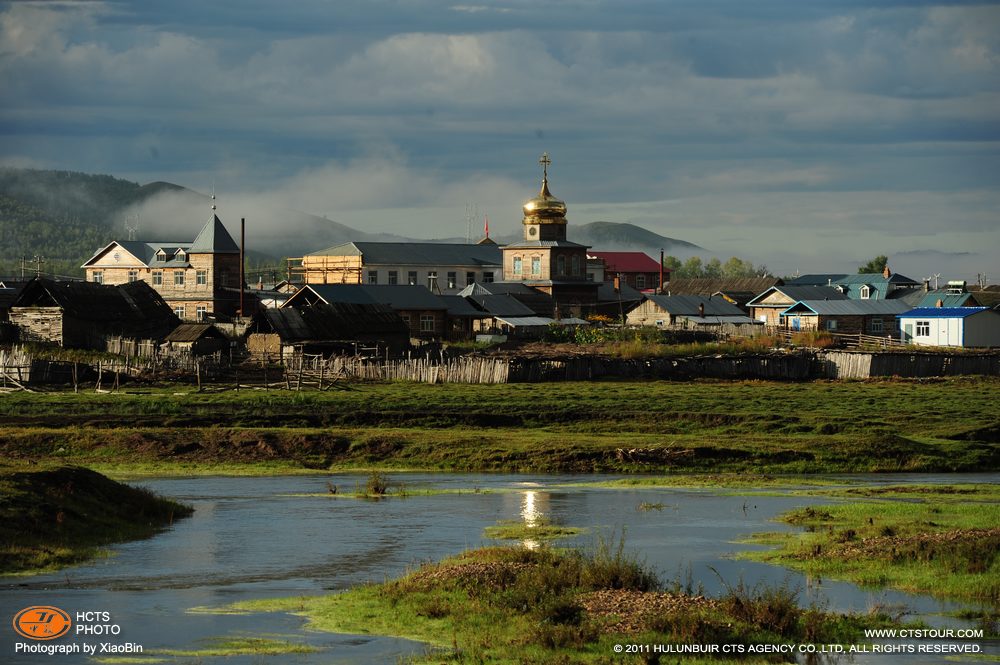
808 136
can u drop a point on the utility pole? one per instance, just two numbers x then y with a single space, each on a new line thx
39 261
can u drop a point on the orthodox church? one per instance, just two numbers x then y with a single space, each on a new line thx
545 260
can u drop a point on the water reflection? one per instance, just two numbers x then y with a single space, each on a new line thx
285 536
534 505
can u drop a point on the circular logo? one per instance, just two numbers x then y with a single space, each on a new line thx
42 622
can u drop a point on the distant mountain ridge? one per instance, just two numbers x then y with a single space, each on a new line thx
66 216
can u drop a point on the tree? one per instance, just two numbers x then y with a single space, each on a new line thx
736 267
877 264
713 268
692 267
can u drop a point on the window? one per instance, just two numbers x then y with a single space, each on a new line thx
426 323
923 329
179 311
536 265
157 278
831 324
561 265
178 278
452 280
470 278
590 277
223 277
576 265
406 319
488 277
180 255
200 312
640 281
432 279
98 276
393 277
133 275
876 326
161 255
201 277
373 276
866 292
518 265
411 278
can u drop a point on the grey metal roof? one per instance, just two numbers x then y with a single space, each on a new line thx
324 323
503 305
817 279
797 293
530 244
463 307
214 239
397 296
848 307
418 253
707 286
690 306
525 321
716 320
606 293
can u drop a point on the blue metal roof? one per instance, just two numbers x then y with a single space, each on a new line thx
941 312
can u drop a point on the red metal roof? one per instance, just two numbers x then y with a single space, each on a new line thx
628 262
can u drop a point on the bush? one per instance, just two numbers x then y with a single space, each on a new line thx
610 567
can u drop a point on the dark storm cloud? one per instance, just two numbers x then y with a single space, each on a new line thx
838 105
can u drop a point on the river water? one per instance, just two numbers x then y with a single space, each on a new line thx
280 536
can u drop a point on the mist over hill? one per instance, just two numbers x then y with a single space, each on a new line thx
66 216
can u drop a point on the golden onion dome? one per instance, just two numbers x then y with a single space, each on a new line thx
544 206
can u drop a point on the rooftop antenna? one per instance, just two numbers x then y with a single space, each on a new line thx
130 229
213 199
471 213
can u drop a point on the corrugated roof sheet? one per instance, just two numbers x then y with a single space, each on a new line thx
941 312
192 332
462 307
628 262
717 320
797 293
327 323
398 296
707 286
133 309
848 307
690 306
503 305
418 253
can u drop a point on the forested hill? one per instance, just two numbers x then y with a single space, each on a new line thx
63 216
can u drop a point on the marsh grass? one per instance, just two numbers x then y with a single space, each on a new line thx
941 547
514 605
741 427
540 530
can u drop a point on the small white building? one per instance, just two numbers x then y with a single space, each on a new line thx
950 326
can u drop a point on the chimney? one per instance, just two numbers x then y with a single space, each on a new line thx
939 303
618 283
927 285
701 310
886 272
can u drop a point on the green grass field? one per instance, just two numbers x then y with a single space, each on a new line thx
941 540
647 426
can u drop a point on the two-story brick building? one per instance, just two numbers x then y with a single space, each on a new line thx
197 279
